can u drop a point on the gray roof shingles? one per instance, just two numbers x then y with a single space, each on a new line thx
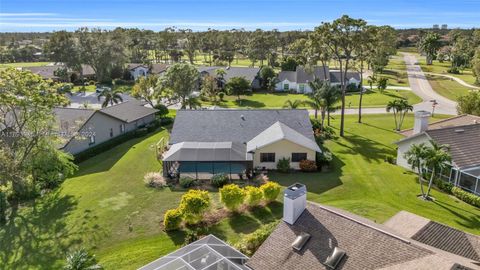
129 111
228 125
450 240
366 248
463 142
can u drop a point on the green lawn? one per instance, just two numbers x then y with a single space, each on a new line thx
107 208
277 100
24 64
447 87
437 67
363 183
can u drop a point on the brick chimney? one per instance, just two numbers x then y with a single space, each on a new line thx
294 202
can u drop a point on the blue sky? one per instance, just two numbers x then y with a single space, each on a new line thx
47 15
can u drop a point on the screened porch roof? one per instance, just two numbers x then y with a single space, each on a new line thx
207 151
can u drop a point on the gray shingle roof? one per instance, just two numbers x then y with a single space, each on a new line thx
335 76
229 126
463 142
365 246
158 68
460 120
128 111
449 239
248 73
46 72
304 76
291 76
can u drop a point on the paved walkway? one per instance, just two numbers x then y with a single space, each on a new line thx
422 88
460 81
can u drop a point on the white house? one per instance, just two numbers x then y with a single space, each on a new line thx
297 81
138 70
461 134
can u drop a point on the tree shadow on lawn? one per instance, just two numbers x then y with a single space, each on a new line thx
370 150
472 222
268 213
107 159
249 103
37 235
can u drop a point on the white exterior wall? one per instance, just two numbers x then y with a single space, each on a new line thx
404 146
282 149
138 72
291 85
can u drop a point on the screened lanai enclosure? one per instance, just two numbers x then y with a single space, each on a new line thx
467 179
202 160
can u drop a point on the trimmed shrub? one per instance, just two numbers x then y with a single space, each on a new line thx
283 165
187 182
308 165
445 186
324 158
221 95
232 196
254 195
270 191
467 197
250 243
219 180
172 219
194 204
155 180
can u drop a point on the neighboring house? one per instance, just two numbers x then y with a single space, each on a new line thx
249 73
139 70
461 134
82 129
314 236
50 72
205 142
297 81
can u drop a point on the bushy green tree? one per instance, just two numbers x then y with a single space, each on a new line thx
237 86
267 76
469 103
181 80
3 207
429 44
254 195
270 191
232 196
194 204
476 65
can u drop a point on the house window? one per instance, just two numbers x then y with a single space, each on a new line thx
302 87
122 128
111 132
267 157
297 157
286 87
92 139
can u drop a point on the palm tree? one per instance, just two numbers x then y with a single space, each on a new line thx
81 260
331 95
293 104
437 157
111 96
400 108
371 80
415 157
315 101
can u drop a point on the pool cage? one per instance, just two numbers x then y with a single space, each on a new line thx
202 160
466 179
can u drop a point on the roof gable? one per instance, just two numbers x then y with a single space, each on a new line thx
128 111
277 132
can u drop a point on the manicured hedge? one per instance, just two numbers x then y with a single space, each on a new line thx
465 196
250 243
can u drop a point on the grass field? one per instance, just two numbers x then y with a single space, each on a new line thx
277 100
24 64
447 87
437 67
107 208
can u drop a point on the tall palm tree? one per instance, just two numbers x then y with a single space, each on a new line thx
415 157
293 104
315 102
371 80
81 260
112 96
405 108
331 95
437 158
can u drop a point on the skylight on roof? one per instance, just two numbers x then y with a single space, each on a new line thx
334 259
300 241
